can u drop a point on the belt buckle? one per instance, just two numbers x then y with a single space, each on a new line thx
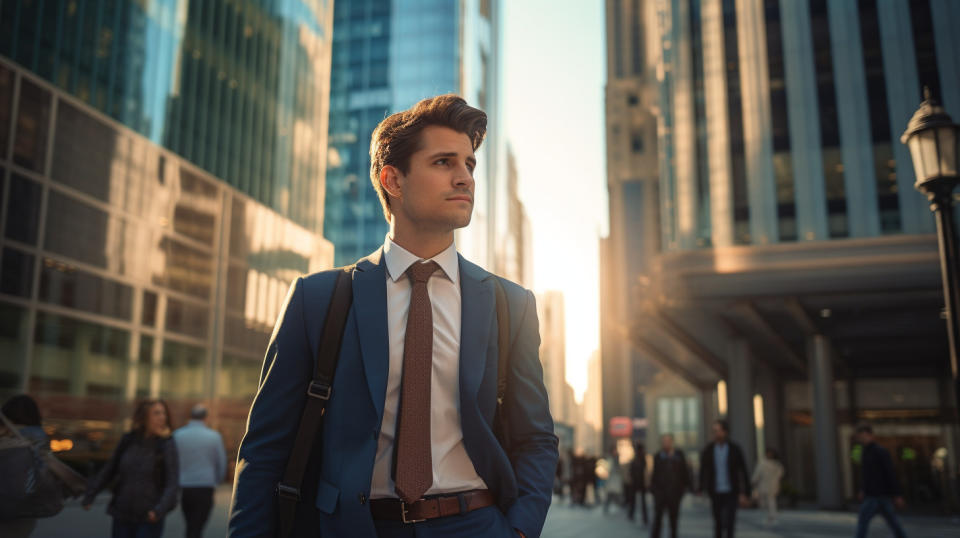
403 514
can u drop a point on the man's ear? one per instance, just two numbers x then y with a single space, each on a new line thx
390 181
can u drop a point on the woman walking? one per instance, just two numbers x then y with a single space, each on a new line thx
145 466
766 480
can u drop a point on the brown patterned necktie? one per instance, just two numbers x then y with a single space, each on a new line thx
414 469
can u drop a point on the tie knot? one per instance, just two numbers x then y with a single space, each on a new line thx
421 272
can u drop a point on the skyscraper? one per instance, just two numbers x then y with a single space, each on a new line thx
162 173
796 261
387 55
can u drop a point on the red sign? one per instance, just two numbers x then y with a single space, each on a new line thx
621 426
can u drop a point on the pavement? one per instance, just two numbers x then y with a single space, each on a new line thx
563 521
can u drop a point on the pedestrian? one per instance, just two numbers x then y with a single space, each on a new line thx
670 480
879 487
144 468
23 414
613 482
766 482
638 482
203 466
724 477
419 435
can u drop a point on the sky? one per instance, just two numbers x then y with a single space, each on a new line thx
554 75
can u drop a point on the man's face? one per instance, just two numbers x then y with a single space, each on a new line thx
667 442
437 191
719 434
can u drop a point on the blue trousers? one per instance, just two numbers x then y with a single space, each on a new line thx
482 523
884 506
130 529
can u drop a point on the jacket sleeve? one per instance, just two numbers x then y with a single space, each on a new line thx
171 488
532 441
890 474
273 421
101 479
704 463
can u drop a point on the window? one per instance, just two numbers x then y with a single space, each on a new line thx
63 284
186 318
23 210
13 321
6 102
16 273
78 357
30 146
636 142
184 371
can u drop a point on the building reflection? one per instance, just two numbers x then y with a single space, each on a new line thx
128 272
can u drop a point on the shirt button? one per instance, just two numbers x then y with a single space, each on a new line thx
363 499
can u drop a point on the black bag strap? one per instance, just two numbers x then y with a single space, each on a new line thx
503 365
318 394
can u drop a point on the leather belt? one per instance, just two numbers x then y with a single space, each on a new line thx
431 508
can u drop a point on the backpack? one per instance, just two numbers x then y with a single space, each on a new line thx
300 463
31 488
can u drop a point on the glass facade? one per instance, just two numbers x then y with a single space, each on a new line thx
843 108
127 271
387 55
238 88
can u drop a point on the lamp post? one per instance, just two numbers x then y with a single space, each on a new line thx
932 138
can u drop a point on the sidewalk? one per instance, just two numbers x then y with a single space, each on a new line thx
563 521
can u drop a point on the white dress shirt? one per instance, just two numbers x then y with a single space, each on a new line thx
452 468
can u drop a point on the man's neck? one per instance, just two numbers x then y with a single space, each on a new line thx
424 244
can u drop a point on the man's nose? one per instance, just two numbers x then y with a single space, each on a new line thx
463 177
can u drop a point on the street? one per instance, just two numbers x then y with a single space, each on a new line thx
563 521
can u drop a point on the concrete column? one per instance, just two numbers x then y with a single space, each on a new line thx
769 389
824 423
740 392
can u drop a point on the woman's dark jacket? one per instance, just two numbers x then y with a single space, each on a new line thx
147 478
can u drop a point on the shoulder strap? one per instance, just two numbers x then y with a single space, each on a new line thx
318 392
503 351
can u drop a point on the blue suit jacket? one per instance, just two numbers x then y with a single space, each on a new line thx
521 480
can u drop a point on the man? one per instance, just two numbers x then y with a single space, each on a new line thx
879 487
723 475
671 478
408 430
638 482
203 465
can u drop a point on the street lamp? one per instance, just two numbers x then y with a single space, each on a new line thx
932 138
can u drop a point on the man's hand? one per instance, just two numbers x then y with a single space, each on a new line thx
152 516
744 501
899 502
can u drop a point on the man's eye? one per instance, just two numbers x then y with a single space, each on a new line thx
440 161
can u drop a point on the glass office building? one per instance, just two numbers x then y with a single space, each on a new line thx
162 185
387 55
788 275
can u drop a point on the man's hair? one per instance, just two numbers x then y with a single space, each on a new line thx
724 425
398 136
199 412
22 410
863 427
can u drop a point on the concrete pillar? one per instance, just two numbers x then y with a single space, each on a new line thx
740 392
824 423
770 390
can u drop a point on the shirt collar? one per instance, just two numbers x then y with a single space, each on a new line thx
399 259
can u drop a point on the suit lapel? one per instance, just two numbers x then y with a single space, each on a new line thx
476 315
370 302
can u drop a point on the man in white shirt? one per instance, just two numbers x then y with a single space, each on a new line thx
203 464
408 444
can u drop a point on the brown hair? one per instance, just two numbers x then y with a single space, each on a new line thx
141 414
398 135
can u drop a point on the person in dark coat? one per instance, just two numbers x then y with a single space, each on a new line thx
670 480
147 472
724 477
879 487
638 482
